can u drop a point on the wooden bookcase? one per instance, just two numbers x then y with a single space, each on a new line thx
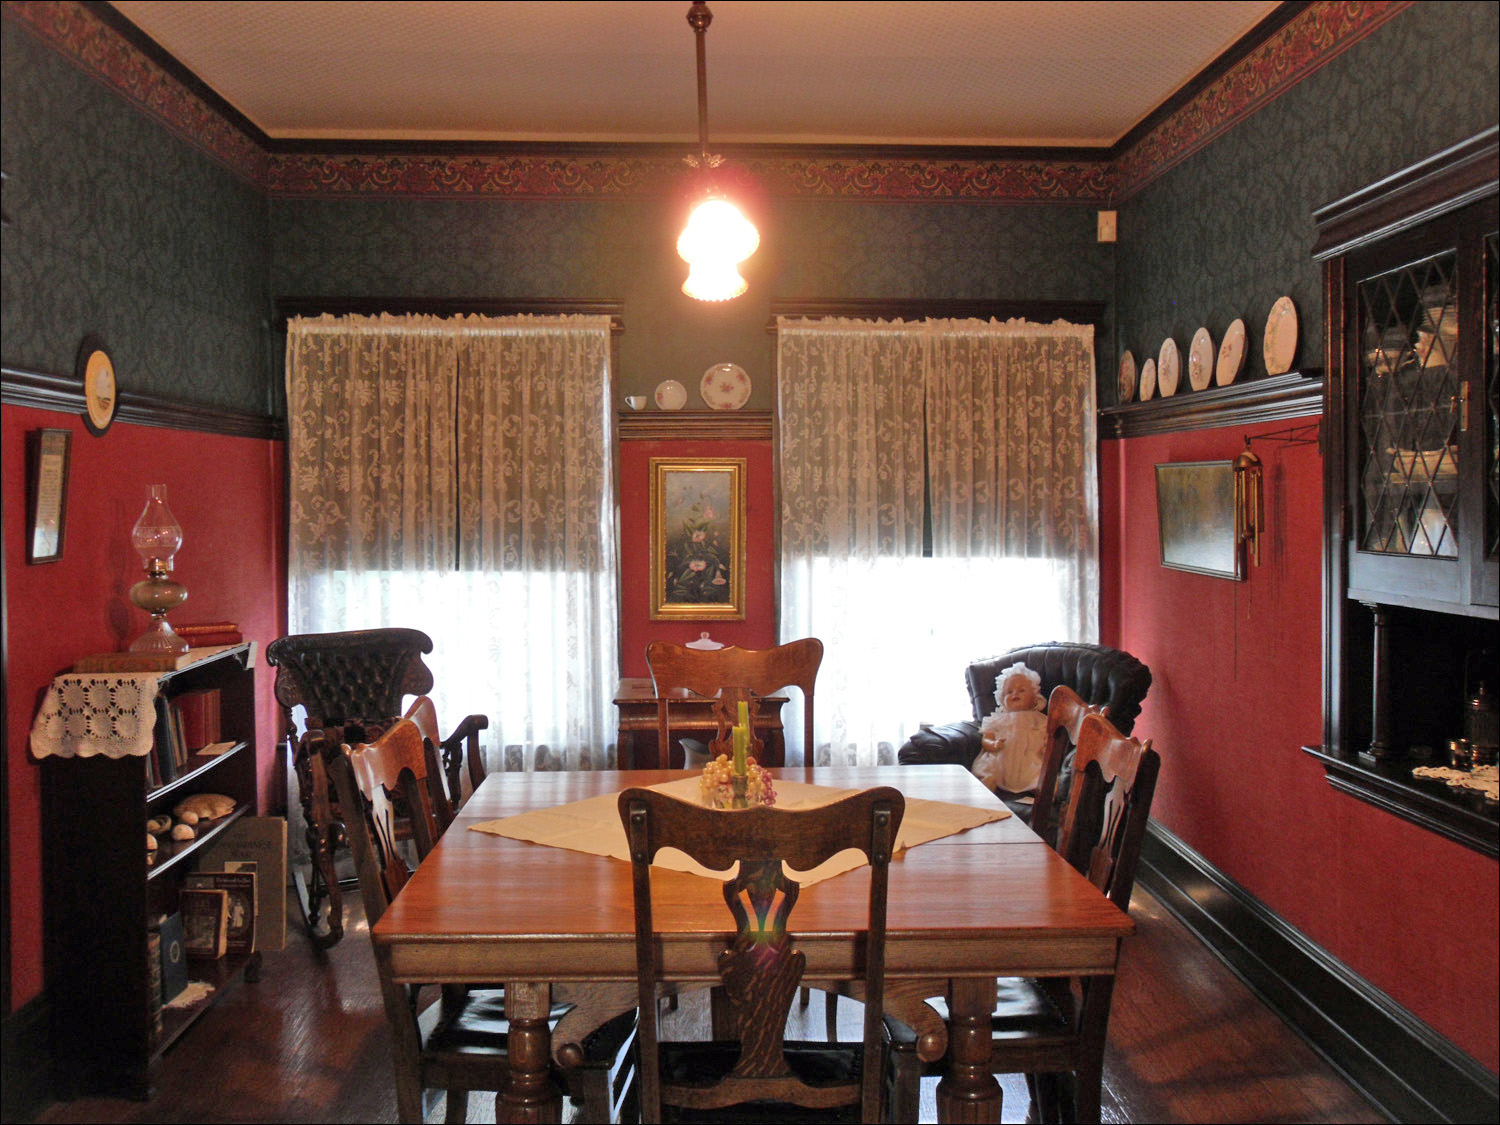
100 891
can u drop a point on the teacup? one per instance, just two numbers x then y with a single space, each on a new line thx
636 402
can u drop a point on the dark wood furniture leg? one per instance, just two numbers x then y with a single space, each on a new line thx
968 1093
322 832
533 1096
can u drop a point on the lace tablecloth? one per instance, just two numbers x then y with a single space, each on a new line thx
88 713
1484 779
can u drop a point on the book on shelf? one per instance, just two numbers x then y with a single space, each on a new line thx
239 885
153 985
210 634
174 976
258 842
133 662
205 921
196 713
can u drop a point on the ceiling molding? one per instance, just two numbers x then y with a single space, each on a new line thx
1291 43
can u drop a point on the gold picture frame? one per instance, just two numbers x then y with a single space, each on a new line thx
1195 512
698 548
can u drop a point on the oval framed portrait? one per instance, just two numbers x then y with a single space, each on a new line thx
96 370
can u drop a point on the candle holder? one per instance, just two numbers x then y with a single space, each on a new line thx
157 537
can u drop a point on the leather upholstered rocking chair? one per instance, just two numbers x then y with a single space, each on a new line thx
351 685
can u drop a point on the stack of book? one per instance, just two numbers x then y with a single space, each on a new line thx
209 634
187 725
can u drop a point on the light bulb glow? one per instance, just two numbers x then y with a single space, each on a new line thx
715 241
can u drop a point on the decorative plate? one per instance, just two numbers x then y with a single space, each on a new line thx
96 370
725 386
1148 379
1281 337
1127 376
1168 368
670 395
1231 354
1201 360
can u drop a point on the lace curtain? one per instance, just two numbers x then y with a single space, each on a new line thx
454 475
994 423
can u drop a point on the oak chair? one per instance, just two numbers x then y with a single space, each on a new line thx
1065 713
458 1041
1053 1031
760 1073
760 672
351 685
457 761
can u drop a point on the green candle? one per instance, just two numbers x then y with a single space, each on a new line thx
742 741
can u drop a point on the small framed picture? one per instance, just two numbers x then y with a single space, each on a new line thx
698 548
46 494
1195 516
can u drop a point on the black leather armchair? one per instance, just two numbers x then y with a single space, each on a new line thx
1103 676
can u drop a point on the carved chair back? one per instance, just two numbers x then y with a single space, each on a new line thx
759 672
760 971
456 761
353 676
1104 823
1065 714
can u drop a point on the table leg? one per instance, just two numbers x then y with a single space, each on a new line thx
968 1093
533 1096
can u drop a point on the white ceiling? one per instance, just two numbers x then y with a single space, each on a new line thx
1058 73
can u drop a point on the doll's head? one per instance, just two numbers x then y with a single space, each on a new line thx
1019 689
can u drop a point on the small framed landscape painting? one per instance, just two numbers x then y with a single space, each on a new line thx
1195 515
698 547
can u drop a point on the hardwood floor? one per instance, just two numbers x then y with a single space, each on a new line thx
1187 1042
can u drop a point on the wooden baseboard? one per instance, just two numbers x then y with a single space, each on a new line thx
1408 1070
23 1047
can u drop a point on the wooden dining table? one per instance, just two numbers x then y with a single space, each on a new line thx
558 926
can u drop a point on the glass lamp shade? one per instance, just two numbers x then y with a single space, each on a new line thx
156 535
715 241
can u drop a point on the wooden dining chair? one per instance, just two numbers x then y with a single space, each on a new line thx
1053 1030
458 1041
760 1073
761 672
1065 713
458 760
351 686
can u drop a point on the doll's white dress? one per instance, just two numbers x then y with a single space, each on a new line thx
1016 767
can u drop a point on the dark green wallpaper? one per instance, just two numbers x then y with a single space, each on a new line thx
1230 229
626 251
120 229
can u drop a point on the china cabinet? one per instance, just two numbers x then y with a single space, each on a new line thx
1411 479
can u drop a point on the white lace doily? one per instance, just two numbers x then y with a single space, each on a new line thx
88 713
1486 779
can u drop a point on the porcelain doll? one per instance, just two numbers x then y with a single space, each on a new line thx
1014 737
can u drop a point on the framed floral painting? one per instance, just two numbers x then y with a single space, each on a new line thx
698 539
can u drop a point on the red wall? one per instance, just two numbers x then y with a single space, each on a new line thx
227 494
1236 692
758 630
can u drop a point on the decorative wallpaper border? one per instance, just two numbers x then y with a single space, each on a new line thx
104 54
1305 44
1320 34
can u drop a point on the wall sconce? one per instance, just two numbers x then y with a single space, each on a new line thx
157 537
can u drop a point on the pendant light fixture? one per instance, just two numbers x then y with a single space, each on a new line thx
717 237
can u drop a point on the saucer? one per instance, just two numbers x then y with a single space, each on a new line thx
671 395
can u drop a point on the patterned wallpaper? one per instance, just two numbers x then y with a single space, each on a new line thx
1229 230
119 229
622 250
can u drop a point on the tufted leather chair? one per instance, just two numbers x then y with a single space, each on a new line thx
1103 676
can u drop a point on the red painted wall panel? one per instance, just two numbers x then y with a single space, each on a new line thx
1237 691
227 494
758 630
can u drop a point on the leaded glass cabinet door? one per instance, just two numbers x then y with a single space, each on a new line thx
1420 344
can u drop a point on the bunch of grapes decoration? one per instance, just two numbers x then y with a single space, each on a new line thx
737 783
